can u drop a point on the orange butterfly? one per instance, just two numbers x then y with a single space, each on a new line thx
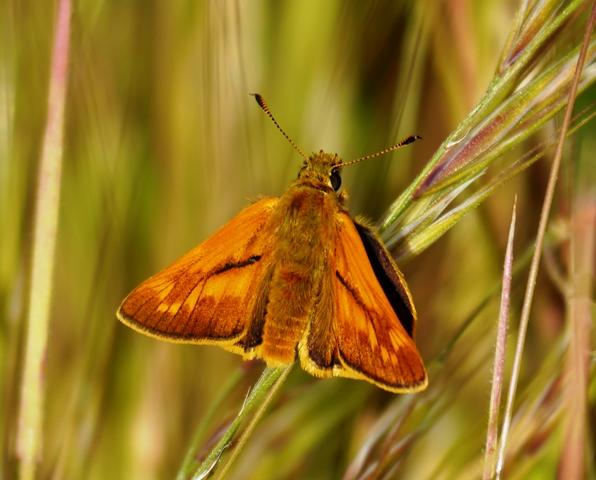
291 277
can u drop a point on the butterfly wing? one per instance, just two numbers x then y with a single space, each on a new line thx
207 295
362 337
389 277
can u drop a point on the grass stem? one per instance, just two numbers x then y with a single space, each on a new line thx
269 395
261 395
30 421
189 459
544 215
499 361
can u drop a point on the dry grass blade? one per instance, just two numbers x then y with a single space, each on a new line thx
499 360
390 417
578 292
525 315
579 314
29 442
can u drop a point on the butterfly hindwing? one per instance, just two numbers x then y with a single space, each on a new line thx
207 295
370 340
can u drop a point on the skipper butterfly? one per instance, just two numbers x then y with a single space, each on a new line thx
292 277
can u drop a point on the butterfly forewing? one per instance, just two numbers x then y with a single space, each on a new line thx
389 277
207 295
372 343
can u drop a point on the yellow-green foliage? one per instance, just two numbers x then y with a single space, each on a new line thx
163 144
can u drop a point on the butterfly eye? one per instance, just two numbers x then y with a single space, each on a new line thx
335 180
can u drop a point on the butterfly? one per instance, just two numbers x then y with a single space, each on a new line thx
294 277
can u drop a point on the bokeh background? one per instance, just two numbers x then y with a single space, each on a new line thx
163 145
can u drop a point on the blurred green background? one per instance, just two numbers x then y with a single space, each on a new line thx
163 145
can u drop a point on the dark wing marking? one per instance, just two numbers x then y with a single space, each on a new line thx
390 278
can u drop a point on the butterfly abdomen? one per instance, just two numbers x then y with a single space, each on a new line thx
287 314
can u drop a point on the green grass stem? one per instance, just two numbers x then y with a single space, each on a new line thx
260 396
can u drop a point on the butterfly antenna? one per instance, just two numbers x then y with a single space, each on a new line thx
403 143
261 101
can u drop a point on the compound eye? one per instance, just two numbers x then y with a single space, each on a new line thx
335 180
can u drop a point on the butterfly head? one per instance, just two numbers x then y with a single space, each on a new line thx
321 169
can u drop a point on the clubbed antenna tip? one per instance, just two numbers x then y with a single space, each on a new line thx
411 139
403 143
261 101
